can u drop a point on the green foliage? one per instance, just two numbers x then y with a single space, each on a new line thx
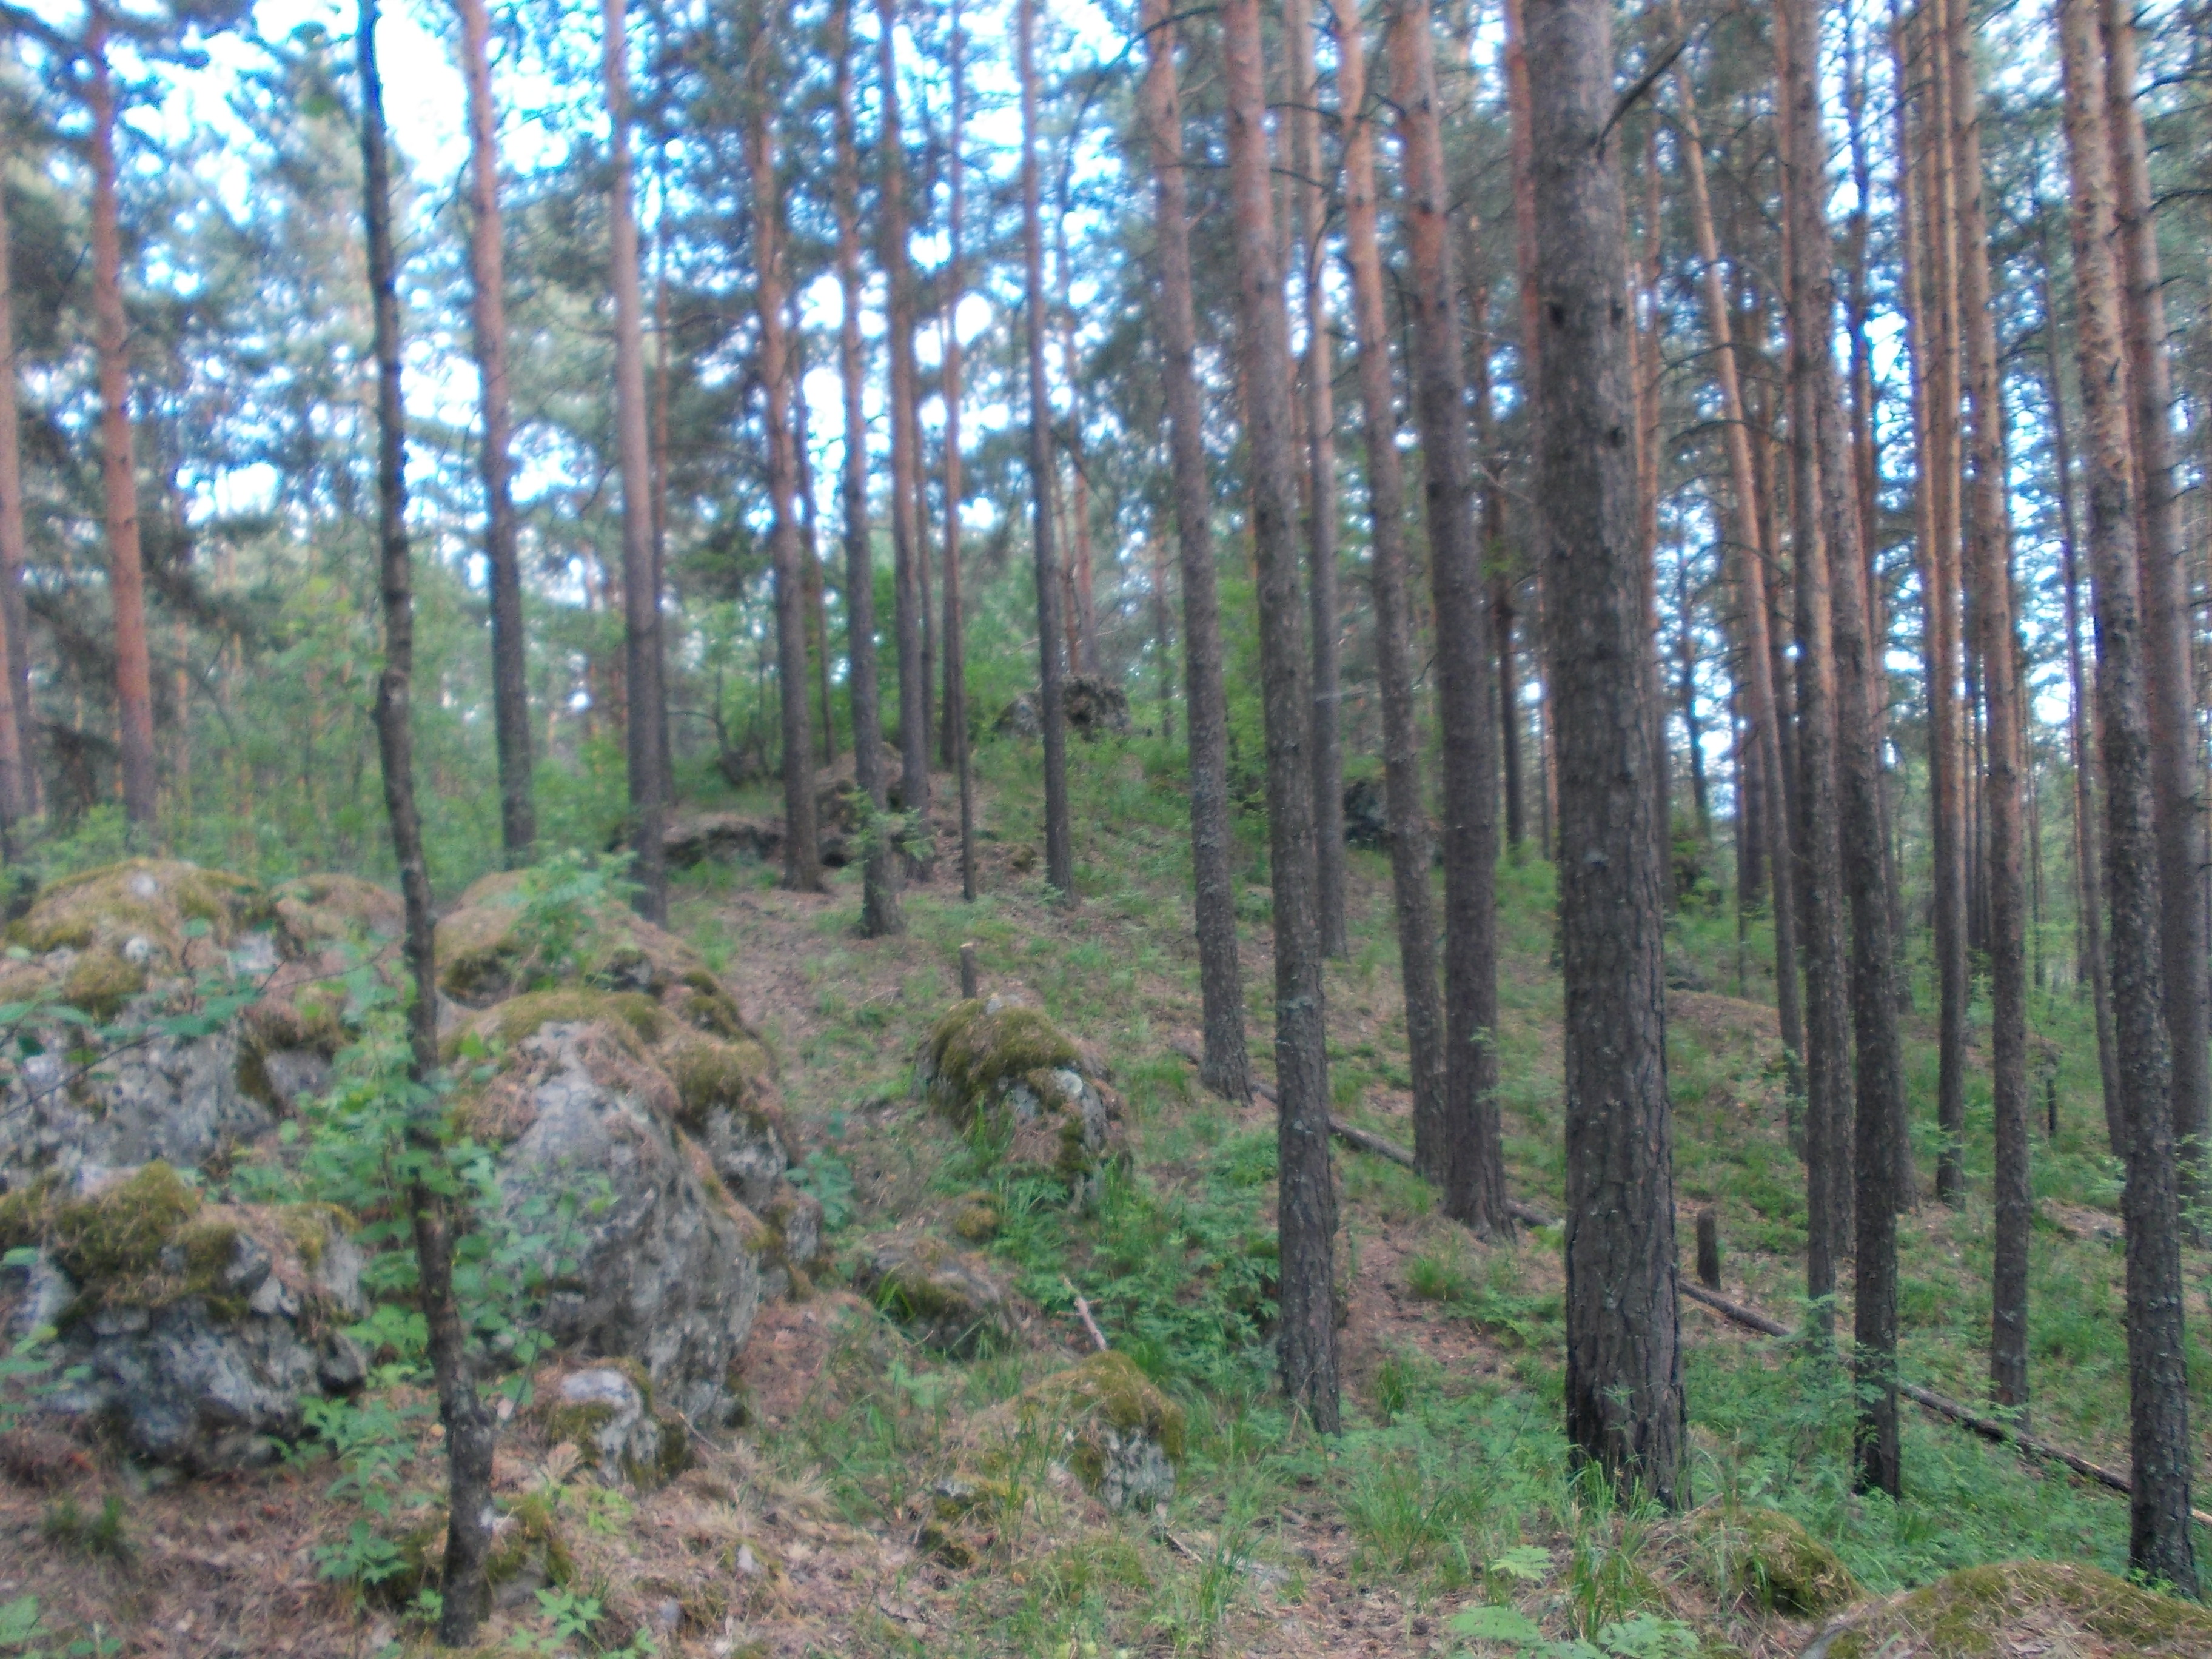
99 1534
563 931
1640 1637
829 1179
24 1634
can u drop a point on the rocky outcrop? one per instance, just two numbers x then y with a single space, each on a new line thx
606 1411
1103 1419
1094 708
1024 1091
193 1332
949 1299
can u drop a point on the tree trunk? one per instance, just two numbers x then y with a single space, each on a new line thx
469 1428
1059 842
1082 613
1820 716
1225 1068
510 692
880 912
642 659
817 610
2088 868
1751 552
906 441
1625 1409
1940 472
126 576
802 860
2177 760
956 647
1406 816
2159 1542
16 786
1991 573
1464 1150
1309 210
1306 1206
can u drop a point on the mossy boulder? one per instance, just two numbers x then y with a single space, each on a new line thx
1771 1559
1022 1090
193 1330
606 1411
1108 1422
947 1298
2021 1607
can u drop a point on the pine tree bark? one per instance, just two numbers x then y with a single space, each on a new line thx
15 792
1308 211
880 911
1753 552
2088 867
2177 761
908 603
818 609
1625 1410
1818 683
1504 576
1306 1202
510 685
1059 842
1992 579
1406 818
1464 1152
802 857
956 646
642 658
469 1431
1225 1068
2159 1541
126 573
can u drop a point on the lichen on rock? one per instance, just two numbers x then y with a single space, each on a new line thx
606 1411
1022 1090
1108 1422
950 1299
1771 1557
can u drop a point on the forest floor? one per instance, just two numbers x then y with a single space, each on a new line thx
820 1526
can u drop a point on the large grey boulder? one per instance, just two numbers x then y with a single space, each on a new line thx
193 1332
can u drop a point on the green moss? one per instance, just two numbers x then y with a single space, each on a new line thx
699 1001
1976 1612
976 1218
971 1053
626 1011
100 982
119 1235
310 1227
577 1422
1108 1389
1785 1569
25 1213
713 1075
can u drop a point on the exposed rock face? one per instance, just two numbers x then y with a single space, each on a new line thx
1094 707
194 1331
1021 717
606 1412
1106 1421
1366 821
948 1299
150 940
1019 1085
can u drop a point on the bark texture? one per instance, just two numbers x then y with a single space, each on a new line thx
469 1428
1463 1152
1306 1206
1406 818
16 789
510 685
956 645
2159 1541
1225 1068
1625 1409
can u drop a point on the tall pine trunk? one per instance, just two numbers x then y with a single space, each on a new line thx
1309 211
126 572
2177 759
642 658
1306 1204
1225 1067
802 858
469 1428
1991 577
15 768
1059 841
1406 816
1464 1150
956 646
510 686
2160 1451
1820 682
909 604
1625 1409
880 912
